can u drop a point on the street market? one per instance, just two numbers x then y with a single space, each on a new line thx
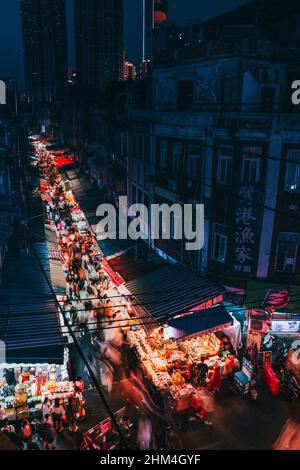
93 298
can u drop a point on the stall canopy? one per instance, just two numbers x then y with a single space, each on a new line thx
53 267
29 327
171 290
29 319
213 319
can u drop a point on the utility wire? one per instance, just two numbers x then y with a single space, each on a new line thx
90 371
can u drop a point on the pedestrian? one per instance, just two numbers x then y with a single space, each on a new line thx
202 373
80 404
46 408
172 440
71 415
46 433
8 427
26 432
216 379
58 414
144 434
206 406
79 383
125 427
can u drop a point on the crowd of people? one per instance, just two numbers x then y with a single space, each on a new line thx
40 432
93 308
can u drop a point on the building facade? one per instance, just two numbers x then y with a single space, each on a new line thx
98 42
216 125
45 49
155 13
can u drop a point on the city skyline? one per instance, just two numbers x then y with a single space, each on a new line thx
11 50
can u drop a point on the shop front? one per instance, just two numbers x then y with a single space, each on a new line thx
24 387
170 354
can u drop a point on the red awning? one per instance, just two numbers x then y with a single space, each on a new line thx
63 161
114 277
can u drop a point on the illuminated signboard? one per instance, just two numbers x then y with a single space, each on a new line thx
285 326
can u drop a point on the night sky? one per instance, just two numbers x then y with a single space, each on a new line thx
11 60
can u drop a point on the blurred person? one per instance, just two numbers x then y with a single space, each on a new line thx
71 415
216 380
106 375
46 433
289 438
26 432
79 383
58 414
171 439
8 427
46 407
80 404
144 436
202 373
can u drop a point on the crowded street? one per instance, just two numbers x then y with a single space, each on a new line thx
103 324
149 232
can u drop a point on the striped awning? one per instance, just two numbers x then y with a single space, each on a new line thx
56 255
172 290
51 261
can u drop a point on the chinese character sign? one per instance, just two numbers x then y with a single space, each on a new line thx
246 218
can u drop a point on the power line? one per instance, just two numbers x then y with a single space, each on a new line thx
225 190
163 318
90 371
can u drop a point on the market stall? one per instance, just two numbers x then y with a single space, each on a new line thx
23 389
169 353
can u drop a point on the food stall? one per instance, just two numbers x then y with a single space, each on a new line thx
210 334
23 388
169 352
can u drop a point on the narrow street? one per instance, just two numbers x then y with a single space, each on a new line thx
238 423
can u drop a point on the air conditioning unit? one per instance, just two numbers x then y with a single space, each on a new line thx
266 75
172 185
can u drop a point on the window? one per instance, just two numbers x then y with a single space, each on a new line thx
194 163
177 159
163 155
185 94
225 160
292 175
251 165
287 248
220 239
227 91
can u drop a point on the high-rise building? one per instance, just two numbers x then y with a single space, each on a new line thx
45 48
98 42
128 69
155 13
145 66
